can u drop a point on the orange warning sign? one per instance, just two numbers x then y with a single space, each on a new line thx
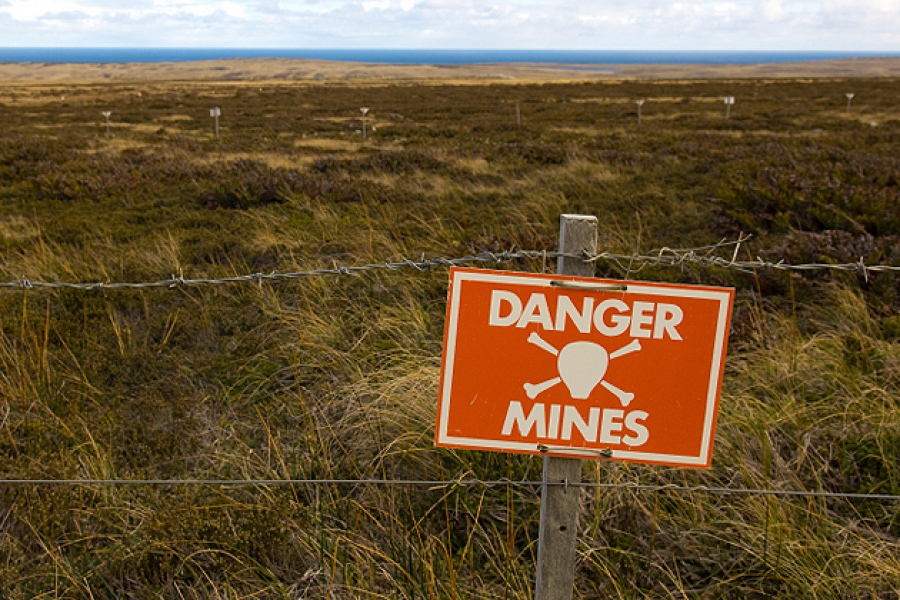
582 367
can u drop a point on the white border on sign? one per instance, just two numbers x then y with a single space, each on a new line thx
570 451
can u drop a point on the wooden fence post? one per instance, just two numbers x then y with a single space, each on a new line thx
555 577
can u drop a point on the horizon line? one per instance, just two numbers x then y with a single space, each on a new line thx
447 49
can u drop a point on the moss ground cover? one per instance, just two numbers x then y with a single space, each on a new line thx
336 377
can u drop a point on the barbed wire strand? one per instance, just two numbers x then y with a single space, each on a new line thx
465 483
630 263
669 257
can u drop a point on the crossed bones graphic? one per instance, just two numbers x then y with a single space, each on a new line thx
585 355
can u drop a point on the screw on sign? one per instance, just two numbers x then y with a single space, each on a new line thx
581 367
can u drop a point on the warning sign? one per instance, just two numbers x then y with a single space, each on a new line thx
582 367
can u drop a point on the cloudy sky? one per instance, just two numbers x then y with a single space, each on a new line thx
851 25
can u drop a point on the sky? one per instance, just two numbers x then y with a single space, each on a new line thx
834 25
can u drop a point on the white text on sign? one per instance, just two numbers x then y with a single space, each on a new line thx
557 422
611 317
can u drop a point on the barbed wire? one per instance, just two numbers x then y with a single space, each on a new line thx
705 257
467 482
629 264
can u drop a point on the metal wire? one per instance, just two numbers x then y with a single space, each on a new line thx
438 483
179 281
670 257
629 263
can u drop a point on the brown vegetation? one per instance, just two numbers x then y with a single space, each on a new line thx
335 377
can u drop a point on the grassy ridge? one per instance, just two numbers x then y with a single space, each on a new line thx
336 377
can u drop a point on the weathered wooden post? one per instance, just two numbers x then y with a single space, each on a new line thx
639 103
215 113
729 100
555 577
364 110
107 114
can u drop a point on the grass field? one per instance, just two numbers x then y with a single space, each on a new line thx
336 376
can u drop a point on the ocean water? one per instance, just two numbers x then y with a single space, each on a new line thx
417 57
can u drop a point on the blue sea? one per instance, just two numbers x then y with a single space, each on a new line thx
418 57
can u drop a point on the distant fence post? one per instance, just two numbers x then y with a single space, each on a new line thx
364 110
555 576
215 113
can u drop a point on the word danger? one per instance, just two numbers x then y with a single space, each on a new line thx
611 317
559 422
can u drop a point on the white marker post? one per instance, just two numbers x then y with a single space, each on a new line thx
215 113
639 103
107 114
518 115
729 100
364 110
849 100
555 577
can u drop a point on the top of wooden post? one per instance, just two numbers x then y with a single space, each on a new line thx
577 235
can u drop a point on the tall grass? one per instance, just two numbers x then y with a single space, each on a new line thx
336 377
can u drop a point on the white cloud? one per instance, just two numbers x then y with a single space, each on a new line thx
36 9
600 24
772 9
